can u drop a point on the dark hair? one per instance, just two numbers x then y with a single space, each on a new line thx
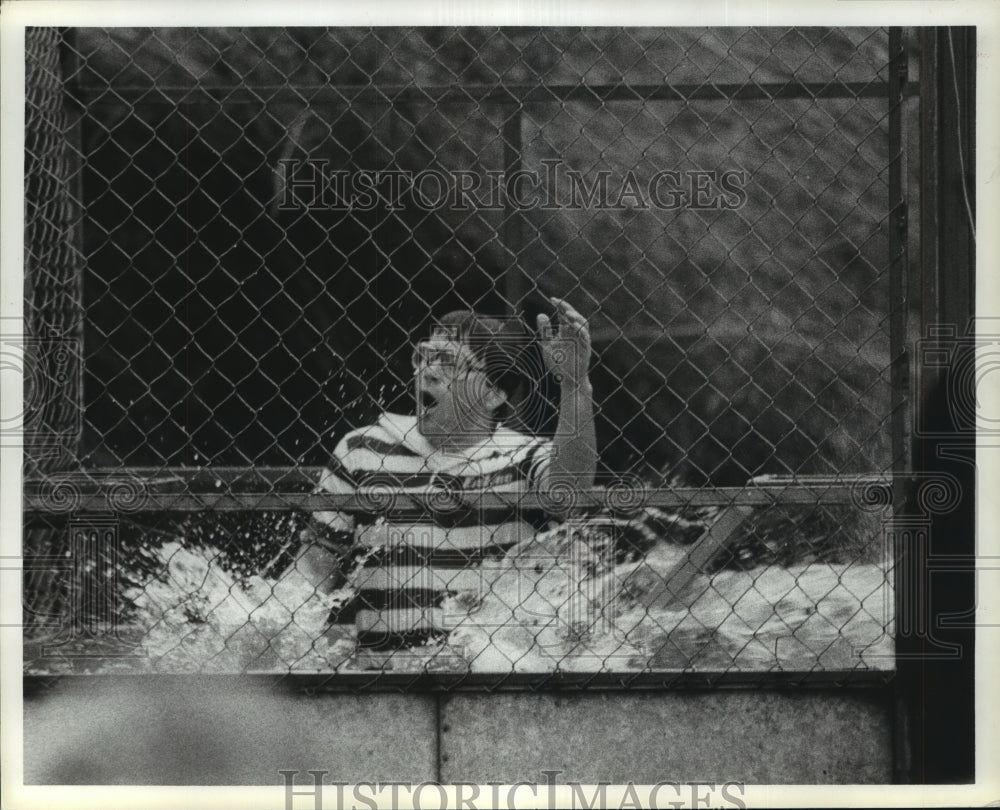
510 354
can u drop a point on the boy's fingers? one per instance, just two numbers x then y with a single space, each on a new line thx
544 327
566 309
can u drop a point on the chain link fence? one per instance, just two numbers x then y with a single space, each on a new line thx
234 238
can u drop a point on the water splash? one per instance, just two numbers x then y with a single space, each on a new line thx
561 600
197 617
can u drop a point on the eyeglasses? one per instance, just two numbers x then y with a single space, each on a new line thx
427 354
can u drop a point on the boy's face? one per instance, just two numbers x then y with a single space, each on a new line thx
455 399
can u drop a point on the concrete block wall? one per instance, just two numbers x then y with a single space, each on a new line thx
226 731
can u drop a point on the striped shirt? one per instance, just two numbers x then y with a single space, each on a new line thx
412 564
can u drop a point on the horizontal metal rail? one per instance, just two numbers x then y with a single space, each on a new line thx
450 94
239 489
390 681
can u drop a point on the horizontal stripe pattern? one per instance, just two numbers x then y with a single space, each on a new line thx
435 557
414 565
374 444
428 578
403 620
433 537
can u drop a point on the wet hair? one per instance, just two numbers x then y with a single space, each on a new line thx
510 354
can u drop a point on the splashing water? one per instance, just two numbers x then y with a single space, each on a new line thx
557 601
197 617
554 604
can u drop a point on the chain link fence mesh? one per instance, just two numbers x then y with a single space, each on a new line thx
237 235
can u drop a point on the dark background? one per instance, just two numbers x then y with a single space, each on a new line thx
222 330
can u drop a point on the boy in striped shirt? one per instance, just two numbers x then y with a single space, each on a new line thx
468 377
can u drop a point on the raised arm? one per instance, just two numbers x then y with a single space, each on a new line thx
567 356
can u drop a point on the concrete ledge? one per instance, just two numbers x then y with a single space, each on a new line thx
221 731
765 737
232 731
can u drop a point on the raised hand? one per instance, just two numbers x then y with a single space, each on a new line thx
566 351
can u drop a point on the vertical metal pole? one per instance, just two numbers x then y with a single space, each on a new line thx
929 279
515 283
898 225
71 67
899 375
956 58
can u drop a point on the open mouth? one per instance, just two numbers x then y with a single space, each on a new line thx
427 400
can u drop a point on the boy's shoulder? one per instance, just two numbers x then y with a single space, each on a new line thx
394 440
391 435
